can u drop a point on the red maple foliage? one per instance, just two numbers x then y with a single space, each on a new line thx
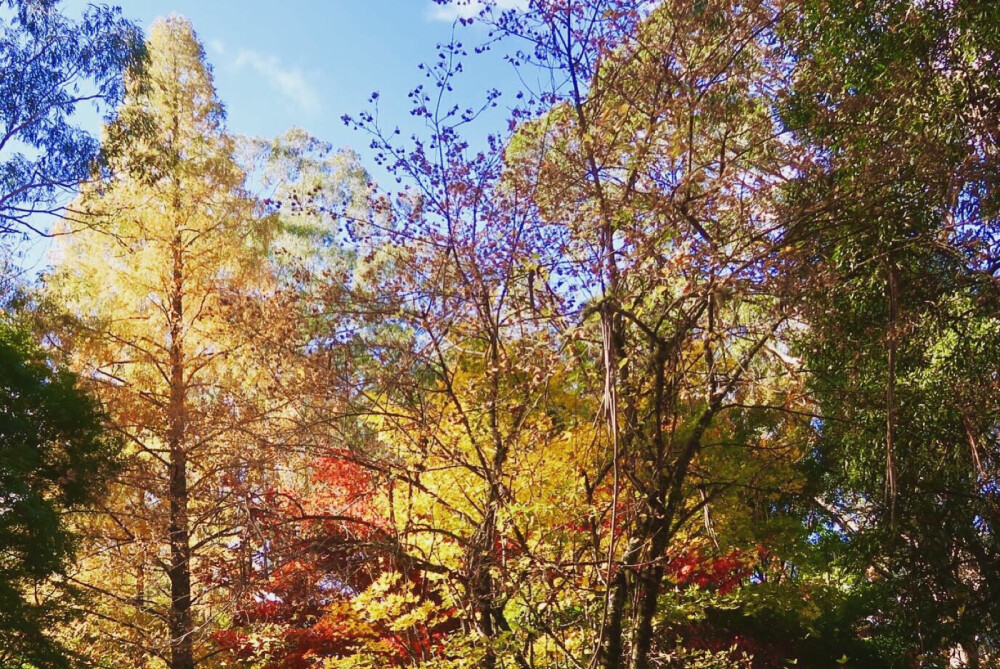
320 553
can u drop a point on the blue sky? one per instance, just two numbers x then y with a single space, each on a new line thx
308 62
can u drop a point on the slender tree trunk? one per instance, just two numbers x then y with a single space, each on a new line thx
481 582
648 582
482 594
663 510
614 647
179 573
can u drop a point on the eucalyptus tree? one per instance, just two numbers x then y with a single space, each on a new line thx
50 66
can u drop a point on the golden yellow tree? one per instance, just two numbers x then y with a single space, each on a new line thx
168 246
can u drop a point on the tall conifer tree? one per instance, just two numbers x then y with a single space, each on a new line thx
168 244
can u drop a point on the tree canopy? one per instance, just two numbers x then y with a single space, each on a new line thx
695 365
53 64
54 458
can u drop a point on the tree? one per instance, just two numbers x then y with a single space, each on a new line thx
52 65
660 158
414 376
54 458
170 244
902 302
375 339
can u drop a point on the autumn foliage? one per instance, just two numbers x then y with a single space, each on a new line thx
692 363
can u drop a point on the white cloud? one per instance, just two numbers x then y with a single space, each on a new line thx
290 82
463 9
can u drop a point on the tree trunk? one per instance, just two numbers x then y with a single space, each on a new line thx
481 581
663 509
613 647
621 589
179 572
649 581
